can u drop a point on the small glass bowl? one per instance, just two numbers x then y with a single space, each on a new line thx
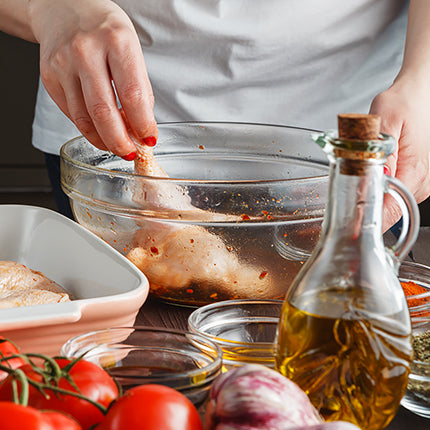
419 304
417 396
244 329
135 356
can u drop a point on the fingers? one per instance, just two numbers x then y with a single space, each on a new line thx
102 114
78 113
135 93
78 68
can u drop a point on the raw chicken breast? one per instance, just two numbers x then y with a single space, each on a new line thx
21 286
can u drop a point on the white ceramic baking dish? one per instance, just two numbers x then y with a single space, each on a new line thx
107 289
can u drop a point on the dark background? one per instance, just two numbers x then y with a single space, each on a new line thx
23 178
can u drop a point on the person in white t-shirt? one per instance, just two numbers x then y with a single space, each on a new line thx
291 62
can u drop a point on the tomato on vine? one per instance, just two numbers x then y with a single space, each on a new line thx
14 416
9 356
77 387
152 407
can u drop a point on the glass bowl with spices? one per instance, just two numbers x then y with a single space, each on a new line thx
234 219
415 280
417 396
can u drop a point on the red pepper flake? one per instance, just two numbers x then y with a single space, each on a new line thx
263 275
269 217
114 241
244 217
285 234
125 249
264 213
229 248
214 296
191 240
201 147
89 215
111 223
154 250
189 291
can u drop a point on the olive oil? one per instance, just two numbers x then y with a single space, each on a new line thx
344 335
354 366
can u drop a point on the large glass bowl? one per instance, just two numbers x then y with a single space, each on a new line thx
239 213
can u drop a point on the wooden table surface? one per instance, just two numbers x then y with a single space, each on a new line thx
157 314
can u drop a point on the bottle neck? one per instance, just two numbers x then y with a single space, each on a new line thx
355 199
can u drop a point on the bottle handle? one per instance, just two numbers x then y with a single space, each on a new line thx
411 216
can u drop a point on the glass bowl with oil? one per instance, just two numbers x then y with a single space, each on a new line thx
415 280
135 356
417 396
245 330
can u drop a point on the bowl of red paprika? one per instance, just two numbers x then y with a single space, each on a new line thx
415 280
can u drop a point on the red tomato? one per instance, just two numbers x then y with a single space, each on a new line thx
15 416
152 407
92 381
6 350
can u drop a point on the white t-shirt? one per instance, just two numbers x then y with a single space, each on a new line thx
291 62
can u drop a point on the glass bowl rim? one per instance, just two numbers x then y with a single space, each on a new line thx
212 369
192 326
64 156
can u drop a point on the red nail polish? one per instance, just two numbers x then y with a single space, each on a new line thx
149 141
129 157
387 170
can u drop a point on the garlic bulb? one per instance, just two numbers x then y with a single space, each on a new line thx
256 397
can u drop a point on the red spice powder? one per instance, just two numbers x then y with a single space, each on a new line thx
410 288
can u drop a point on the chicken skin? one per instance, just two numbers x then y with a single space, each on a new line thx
175 255
21 286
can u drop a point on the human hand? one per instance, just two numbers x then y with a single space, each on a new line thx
404 110
85 45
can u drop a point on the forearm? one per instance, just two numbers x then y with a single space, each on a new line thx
15 20
416 61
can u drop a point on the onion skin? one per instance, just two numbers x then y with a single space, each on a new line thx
253 397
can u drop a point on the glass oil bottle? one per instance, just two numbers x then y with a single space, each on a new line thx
345 335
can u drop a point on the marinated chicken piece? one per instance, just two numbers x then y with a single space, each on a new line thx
159 194
175 255
21 286
182 256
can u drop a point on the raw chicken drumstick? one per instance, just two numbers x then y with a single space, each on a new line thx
176 256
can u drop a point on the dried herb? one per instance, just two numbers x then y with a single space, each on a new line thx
421 345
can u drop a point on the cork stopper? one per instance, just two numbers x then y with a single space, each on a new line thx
357 126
